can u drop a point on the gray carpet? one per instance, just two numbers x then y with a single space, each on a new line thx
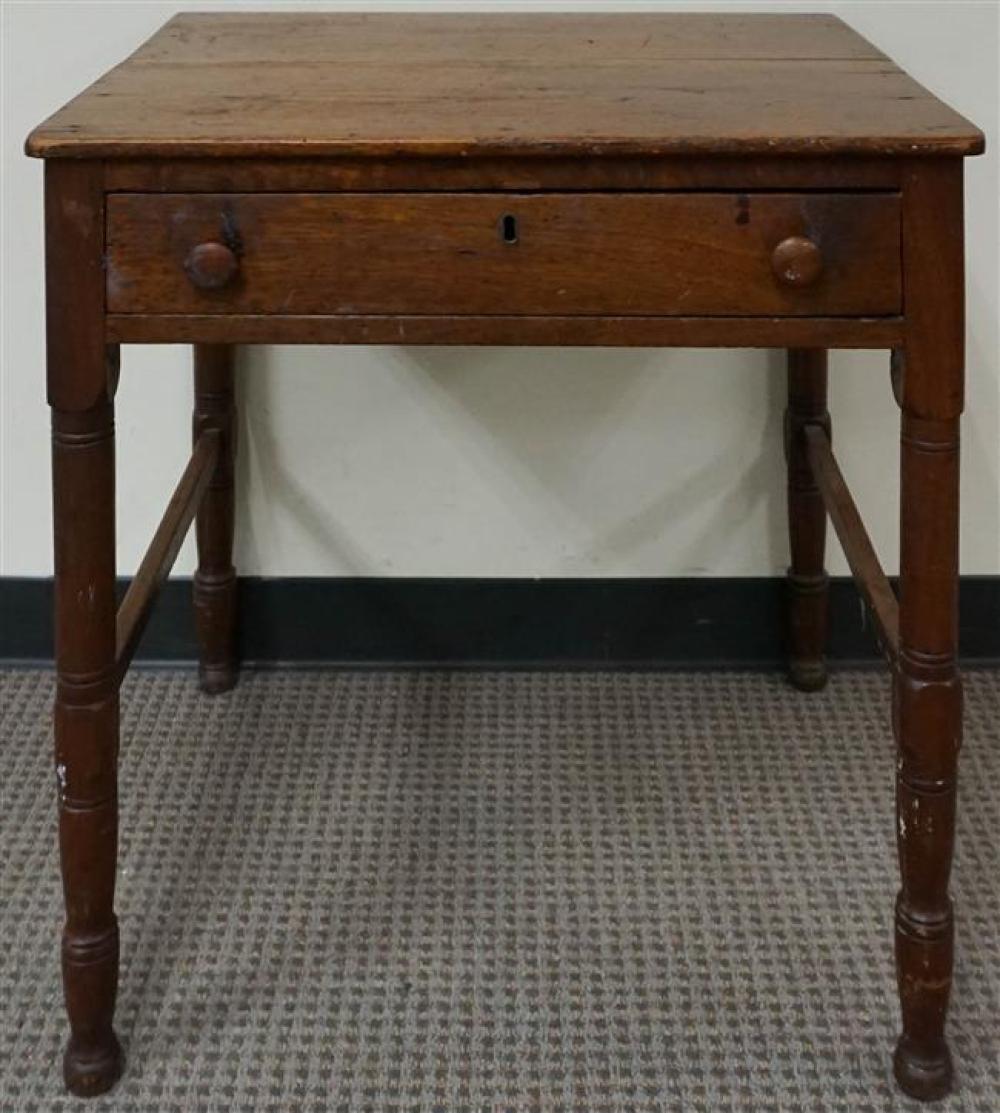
491 892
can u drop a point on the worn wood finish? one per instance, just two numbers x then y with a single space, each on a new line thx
927 685
507 254
678 332
713 180
137 605
798 262
81 381
808 583
294 85
485 40
215 577
579 174
212 265
861 556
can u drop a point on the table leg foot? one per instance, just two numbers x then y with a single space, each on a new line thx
214 679
926 1079
808 675
92 1068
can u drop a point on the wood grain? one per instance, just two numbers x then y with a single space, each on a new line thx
491 174
635 254
297 84
597 331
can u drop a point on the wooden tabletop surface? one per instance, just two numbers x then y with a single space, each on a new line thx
275 84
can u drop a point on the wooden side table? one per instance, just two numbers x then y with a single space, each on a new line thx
696 180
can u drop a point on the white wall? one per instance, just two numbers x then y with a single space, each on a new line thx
490 462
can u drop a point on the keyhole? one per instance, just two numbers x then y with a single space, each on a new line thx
508 228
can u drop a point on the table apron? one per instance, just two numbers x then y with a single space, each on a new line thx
636 332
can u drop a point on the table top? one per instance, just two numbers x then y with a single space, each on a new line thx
283 84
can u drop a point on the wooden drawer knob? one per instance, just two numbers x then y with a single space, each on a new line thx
797 262
211 265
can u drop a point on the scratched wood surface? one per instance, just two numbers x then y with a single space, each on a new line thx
349 84
646 253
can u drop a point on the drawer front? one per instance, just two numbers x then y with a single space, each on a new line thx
643 254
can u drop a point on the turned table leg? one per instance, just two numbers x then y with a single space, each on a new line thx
807 579
215 579
928 727
927 687
86 737
81 380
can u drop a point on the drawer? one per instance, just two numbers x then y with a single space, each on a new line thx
644 254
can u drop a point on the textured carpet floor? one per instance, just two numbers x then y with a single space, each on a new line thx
491 892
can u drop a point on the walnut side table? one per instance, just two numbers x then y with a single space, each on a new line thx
677 180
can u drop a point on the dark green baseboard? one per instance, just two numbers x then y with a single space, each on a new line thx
628 623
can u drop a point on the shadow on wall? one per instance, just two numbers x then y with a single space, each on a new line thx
595 455
265 481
